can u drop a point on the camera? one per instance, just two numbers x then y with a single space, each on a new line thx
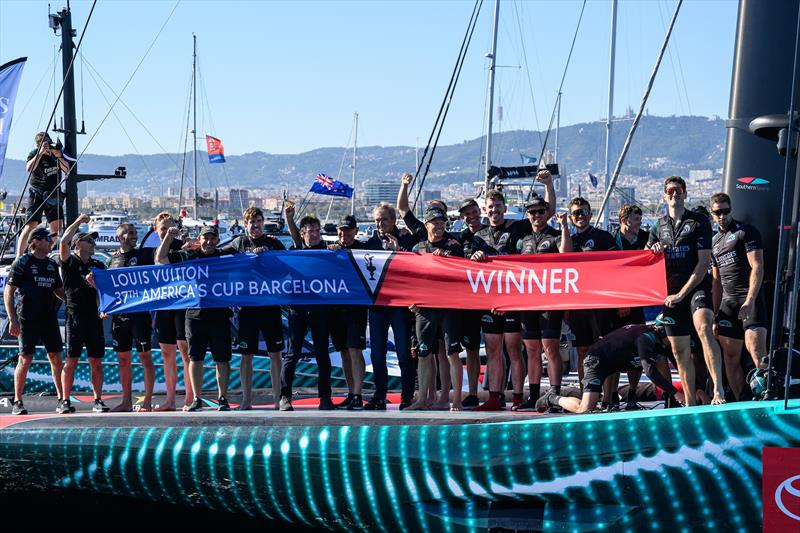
57 146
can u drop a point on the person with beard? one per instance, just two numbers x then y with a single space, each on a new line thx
307 317
348 325
630 236
588 325
205 328
542 329
171 326
258 320
432 324
32 317
388 237
83 325
133 329
414 225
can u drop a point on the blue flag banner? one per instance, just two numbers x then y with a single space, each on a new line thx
527 159
299 277
593 179
10 74
324 184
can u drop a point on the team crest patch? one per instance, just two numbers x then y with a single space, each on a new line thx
725 323
371 266
589 244
731 237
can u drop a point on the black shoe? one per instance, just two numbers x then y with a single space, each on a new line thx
222 404
503 400
64 407
632 406
344 404
99 407
471 401
356 404
375 405
550 407
18 408
196 405
285 404
528 405
404 403
325 404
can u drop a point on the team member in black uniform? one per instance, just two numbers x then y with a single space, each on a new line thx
205 328
413 224
84 327
45 163
631 348
542 329
348 325
630 236
431 324
32 317
305 317
389 237
588 325
171 328
265 320
685 237
737 260
133 329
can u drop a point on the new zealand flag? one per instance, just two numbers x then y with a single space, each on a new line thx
324 184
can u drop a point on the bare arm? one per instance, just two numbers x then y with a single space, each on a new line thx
566 238
402 194
544 176
11 311
162 253
294 231
63 246
756 260
716 288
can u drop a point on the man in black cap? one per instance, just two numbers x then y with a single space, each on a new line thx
258 320
388 237
32 318
134 329
414 225
348 325
45 163
84 327
205 328
542 329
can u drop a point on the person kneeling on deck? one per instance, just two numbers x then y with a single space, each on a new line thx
204 327
630 348
84 325
32 317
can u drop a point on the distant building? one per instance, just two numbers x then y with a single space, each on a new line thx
377 191
431 194
239 198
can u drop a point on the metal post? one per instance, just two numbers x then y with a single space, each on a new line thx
355 156
194 127
70 122
558 124
492 62
612 53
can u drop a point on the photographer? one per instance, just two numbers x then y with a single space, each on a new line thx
45 163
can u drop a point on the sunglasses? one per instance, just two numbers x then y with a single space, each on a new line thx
578 213
536 212
723 211
48 238
672 191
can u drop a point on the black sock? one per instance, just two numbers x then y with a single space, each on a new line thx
555 389
631 395
535 392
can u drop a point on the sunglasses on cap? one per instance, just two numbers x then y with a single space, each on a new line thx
720 212
579 213
47 238
536 212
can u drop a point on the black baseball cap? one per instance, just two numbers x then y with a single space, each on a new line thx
209 228
536 201
434 214
40 233
81 235
469 202
347 222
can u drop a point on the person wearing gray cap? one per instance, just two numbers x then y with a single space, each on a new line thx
542 329
205 328
348 325
32 318
84 327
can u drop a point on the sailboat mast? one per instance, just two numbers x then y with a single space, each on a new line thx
558 124
490 108
194 126
355 154
612 53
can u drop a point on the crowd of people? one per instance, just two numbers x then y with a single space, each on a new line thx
713 310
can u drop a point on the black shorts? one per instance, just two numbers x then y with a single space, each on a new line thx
39 330
471 329
260 320
53 207
727 319
588 325
129 330
432 324
209 333
84 331
497 324
678 320
595 371
171 326
538 325
348 327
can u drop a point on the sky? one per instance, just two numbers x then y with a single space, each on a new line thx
287 77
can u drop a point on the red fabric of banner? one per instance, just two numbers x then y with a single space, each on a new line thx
589 280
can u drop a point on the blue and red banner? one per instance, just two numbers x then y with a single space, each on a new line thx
10 74
216 152
364 277
324 184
